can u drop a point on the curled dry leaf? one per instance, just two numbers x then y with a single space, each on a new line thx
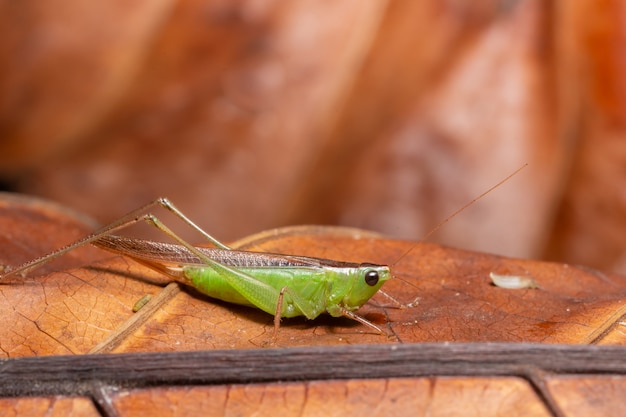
71 309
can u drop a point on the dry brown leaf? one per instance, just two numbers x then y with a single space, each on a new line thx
503 396
89 309
48 407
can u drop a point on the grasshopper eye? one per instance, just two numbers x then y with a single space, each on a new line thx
371 278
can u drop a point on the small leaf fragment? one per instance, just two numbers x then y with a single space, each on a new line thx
512 282
141 302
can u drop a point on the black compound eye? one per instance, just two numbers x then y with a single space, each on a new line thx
371 278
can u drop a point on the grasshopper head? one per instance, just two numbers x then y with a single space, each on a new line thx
367 280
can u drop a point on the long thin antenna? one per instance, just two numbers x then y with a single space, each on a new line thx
450 217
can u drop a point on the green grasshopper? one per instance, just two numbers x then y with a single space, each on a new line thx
281 285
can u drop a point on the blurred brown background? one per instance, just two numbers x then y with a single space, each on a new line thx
385 115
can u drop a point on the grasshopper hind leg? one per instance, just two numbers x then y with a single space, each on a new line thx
127 220
167 204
